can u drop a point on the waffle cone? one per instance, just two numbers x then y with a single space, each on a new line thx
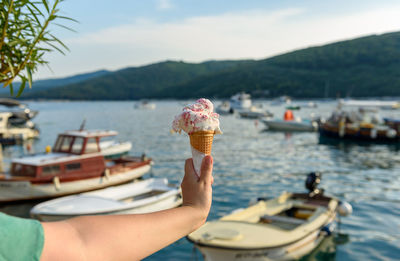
202 141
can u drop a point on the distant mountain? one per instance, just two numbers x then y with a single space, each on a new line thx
136 82
362 67
52 83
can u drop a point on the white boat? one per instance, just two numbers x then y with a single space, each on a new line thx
255 112
138 197
240 101
146 105
224 108
369 103
284 228
293 125
10 134
114 149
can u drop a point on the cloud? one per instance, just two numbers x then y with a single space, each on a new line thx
164 4
250 34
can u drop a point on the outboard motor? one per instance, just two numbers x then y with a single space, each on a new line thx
312 182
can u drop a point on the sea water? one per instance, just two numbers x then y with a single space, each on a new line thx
250 162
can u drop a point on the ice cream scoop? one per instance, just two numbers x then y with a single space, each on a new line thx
201 123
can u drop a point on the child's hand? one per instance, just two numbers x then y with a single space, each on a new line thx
197 192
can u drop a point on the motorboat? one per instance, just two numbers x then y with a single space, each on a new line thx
146 105
387 105
75 165
224 108
284 228
282 100
255 112
364 124
291 125
20 113
10 134
133 198
240 101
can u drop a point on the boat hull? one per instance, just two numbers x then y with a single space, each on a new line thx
363 135
289 126
11 191
166 203
292 251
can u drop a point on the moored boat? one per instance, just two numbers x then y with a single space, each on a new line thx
75 165
291 125
255 112
364 124
10 134
284 228
240 101
137 197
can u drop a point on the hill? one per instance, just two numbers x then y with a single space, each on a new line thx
136 82
40 85
362 67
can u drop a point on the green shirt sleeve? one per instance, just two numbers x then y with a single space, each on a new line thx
21 239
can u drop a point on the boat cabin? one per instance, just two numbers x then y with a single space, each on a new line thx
81 142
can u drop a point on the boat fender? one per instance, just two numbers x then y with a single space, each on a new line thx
342 128
391 133
345 209
374 133
328 229
48 149
56 182
107 173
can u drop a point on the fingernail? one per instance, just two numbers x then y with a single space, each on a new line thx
209 160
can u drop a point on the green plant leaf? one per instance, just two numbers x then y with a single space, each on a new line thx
29 73
21 87
11 89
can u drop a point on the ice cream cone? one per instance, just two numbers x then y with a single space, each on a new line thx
201 144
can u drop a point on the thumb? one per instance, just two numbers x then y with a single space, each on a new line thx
206 169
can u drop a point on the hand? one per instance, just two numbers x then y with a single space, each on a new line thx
197 192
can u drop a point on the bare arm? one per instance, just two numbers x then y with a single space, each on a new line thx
132 237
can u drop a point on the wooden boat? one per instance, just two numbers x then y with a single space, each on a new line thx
75 165
10 134
137 197
284 228
289 126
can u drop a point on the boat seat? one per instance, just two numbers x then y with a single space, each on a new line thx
290 220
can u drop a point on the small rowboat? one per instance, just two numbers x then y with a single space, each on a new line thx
284 228
137 197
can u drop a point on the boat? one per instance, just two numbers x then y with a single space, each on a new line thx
386 105
364 124
291 125
10 134
240 101
133 198
224 108
74 165
146 105
282 100
255 112
284 228
20 113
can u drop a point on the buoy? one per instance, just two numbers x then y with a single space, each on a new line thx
345 208
48 149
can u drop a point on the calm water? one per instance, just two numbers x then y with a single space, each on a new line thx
251 163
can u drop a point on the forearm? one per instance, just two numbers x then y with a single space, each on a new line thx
133 237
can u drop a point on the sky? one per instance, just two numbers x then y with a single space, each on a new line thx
117 34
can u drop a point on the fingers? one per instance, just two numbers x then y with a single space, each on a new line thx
206 169
190 173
